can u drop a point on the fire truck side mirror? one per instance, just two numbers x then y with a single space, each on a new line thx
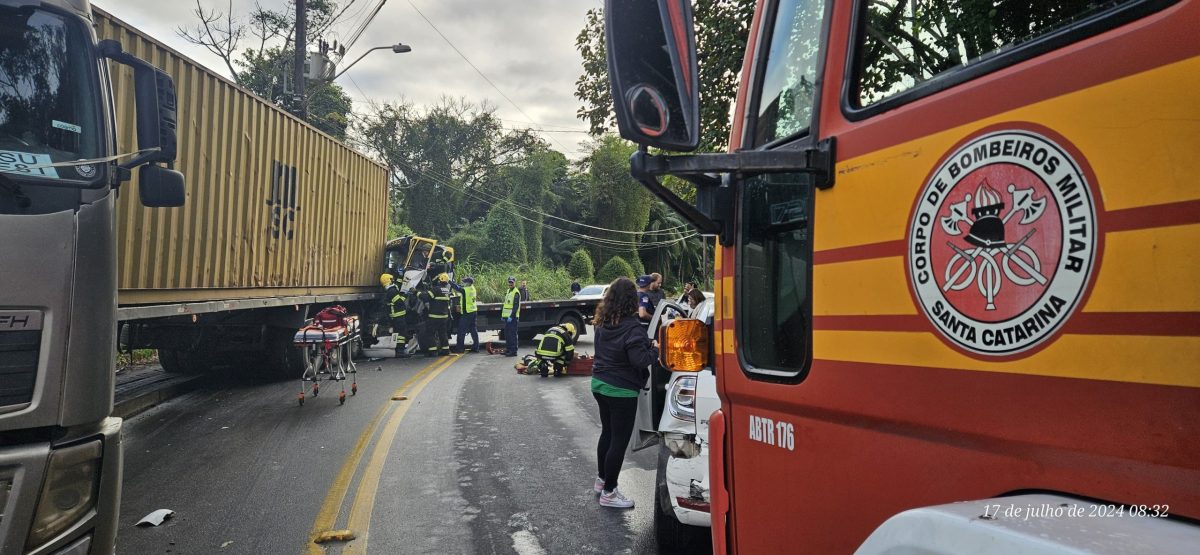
653 73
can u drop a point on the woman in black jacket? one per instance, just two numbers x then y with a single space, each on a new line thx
622 365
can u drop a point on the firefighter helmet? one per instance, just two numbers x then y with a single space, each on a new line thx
443 278
570 328
385 279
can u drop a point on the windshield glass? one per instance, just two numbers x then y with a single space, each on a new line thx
788 90
48 97
592 290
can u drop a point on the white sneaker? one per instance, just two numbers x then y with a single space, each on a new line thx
615 499
599 486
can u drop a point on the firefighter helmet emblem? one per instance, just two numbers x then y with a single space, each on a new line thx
1002 242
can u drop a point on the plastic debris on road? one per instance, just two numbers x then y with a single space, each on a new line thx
155 518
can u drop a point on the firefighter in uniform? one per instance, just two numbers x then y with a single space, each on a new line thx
397 303
437 298
556 349
510 313
468 306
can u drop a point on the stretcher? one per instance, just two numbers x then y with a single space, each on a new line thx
328 349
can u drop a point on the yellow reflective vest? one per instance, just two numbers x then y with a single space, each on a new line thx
469 304
512 304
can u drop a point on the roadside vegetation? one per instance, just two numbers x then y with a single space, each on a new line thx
508 198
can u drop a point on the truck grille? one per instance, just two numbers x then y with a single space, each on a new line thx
18 366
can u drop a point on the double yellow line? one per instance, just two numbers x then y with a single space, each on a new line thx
363 505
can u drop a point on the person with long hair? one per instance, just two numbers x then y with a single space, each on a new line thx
624 354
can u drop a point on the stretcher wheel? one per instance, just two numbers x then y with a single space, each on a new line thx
316 388
354 389
342 398
300 399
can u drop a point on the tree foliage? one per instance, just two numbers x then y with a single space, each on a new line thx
502 237
581 266
616 201
259 54
447 160
722 28
616 267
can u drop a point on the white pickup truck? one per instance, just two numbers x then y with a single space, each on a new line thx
673 413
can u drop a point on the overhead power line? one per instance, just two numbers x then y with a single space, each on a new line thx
599 241
481 74
494 198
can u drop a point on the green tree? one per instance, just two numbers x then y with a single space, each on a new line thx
581 266
616 267
722 28
502 237
446 159
265 67
529 183
616 201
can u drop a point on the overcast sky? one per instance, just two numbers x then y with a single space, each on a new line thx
526 47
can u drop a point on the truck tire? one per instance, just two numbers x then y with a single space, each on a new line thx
670 534
177 361
284 359
574 320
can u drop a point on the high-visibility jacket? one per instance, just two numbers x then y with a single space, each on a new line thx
439 302
469 300
397 301
556 343
512 304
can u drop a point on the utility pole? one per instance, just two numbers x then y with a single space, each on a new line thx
298 70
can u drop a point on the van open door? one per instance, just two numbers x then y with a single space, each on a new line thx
652 397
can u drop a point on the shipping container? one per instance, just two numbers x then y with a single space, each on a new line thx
280 220
274 206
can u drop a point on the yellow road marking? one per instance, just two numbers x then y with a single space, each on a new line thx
341 483
364 498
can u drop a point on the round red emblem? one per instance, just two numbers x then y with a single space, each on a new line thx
1002 242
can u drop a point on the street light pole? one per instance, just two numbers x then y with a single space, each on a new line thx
398 48
298 71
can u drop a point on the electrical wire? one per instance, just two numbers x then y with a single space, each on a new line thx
495 198
481 74
361 28
599 241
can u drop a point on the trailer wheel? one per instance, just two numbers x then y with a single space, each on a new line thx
176 361
574 320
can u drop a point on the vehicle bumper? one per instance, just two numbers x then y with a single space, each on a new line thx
687 485
23 470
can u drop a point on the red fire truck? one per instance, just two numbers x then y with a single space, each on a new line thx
957 308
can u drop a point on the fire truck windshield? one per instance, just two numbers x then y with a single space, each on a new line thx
786 97
48 98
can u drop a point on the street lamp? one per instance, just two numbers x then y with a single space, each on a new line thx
398 48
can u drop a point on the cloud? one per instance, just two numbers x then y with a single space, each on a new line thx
525 47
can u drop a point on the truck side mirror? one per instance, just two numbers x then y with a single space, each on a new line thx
160 187
154 93
652 69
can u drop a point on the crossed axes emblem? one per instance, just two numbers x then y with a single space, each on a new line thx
980 264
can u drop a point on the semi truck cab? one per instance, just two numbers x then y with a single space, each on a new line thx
60 452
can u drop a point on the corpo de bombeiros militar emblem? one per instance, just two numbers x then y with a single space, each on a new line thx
1002 242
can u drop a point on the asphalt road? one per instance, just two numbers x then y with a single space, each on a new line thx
478 459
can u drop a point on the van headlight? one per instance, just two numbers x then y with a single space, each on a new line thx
68 492
681 399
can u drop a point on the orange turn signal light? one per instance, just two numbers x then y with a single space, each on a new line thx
683 345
